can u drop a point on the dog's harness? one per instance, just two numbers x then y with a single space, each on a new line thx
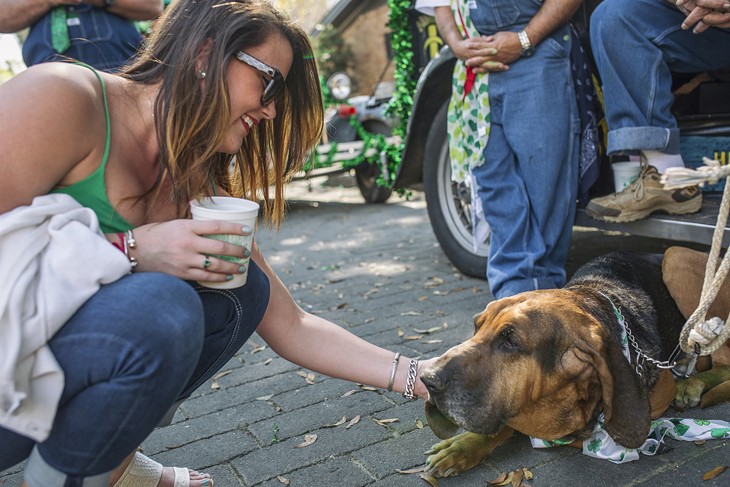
601 445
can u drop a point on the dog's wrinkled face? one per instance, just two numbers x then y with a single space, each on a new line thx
528 366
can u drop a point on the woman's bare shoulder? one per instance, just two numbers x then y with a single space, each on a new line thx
51 119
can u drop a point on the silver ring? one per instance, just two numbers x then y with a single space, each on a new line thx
206 263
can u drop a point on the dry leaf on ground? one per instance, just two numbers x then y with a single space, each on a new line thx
349 393
342 421
433 341
221 374
400 332
353 422
504 479
267 361
215 386
385 422
264 398
430 479
407 471
433 282
419 424
369 388
714 472
412 337
282 480
430 330
308 440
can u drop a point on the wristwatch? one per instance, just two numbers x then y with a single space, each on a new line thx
108 3
527 49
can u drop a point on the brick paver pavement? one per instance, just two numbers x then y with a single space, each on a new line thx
378 271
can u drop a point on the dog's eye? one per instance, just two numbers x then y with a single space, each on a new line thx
509 340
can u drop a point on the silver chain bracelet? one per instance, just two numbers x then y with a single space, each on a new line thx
411 379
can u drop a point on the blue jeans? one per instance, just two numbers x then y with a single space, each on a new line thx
636 45
528 181
134 349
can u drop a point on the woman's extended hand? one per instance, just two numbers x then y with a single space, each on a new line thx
180 248
420 388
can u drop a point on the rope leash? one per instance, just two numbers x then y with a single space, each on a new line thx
710 334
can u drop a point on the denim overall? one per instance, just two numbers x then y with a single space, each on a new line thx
636 44
98 38
528 181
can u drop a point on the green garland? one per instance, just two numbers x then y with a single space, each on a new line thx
399 106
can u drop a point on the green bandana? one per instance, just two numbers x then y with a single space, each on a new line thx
59 30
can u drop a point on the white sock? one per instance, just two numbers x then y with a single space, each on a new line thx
661 160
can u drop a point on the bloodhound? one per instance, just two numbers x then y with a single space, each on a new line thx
547 363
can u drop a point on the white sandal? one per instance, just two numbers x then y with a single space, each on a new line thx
142 471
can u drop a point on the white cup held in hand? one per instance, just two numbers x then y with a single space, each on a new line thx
225 208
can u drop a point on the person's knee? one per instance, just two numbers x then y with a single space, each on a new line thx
163 317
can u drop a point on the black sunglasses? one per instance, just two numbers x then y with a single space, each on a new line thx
276 80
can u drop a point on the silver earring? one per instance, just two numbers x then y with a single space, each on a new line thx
201 73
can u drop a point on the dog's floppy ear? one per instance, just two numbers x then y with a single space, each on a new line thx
626 408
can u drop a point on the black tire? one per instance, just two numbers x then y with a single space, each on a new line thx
449 204
366 175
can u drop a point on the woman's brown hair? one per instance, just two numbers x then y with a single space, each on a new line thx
191 123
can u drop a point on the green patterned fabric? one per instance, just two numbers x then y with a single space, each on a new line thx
468 115
59 30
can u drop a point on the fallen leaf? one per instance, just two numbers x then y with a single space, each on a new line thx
342 421
302 374
517 476
430 479
400 332
308 440
423 298
699 442
221 374
412 337
412 470
433 282
430 330
714 472
411 313
441 293
267 361
504 479
265 398
349 393
385 422
419 424
369 388
353 422
282 480
369 293
215 386
369 320
527 472
433 341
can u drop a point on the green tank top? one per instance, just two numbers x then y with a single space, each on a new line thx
91 191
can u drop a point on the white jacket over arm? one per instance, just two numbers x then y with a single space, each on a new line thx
53 258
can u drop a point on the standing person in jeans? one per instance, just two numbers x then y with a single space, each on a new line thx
637 44
528 180
224 99
100 33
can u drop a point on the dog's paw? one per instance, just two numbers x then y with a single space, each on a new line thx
458 454
689 392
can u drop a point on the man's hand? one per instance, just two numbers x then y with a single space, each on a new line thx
507 49
703 14
479 50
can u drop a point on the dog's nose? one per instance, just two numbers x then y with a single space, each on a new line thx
433 381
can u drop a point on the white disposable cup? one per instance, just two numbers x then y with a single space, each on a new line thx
624 173
225 208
